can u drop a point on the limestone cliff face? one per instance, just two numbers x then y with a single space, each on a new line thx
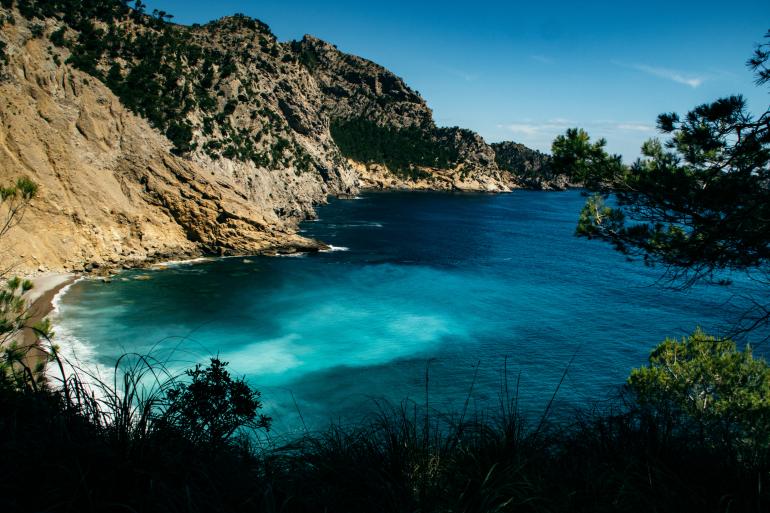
354 87
378 176
111 192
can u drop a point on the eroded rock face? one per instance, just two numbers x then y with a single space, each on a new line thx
354 87
379 177
110 191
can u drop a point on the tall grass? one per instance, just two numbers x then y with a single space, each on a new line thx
110 447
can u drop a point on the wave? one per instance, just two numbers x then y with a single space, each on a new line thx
175 263
77 358
57 298
337 248
74 354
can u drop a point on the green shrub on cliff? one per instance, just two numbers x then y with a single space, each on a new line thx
583 161
13 320
181 135
211 406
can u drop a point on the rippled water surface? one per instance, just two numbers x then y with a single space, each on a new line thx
458 284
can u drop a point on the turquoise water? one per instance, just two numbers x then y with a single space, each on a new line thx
464 285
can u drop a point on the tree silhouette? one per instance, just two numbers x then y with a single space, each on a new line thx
698 203
212 406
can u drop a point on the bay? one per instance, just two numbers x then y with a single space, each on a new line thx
469 290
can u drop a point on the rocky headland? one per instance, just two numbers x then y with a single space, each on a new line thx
153 141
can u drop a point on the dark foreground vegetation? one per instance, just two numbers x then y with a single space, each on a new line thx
689 433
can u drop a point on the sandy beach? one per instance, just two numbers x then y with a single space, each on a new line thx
47 283
40 300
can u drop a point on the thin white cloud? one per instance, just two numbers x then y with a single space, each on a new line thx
635 127
521 128
541 59
542 133
468 77
670 74
535 129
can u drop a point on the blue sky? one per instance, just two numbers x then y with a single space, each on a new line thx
527 71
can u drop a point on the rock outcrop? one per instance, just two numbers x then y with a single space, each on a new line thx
354 87
110 191
378 176
530 169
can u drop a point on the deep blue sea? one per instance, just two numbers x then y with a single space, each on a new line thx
461 285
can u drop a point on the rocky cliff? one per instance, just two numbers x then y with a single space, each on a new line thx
387 132
111 192
530 169
151 140
354 87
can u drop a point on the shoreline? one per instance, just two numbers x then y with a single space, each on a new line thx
289 247
40 299
48 285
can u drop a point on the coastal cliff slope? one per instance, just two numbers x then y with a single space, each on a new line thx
152 140
387 132
111 192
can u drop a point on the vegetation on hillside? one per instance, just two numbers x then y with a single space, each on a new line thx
181 79
402 150
177 79
153 53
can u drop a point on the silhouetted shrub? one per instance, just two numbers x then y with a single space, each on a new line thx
210 407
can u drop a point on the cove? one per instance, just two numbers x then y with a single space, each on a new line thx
465 286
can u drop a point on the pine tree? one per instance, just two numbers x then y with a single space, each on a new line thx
697 204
